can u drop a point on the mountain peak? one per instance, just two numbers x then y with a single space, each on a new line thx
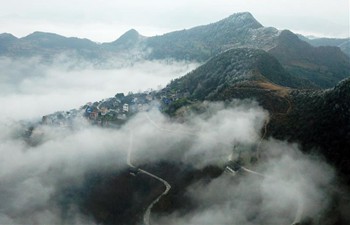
41 33
245 19
242 15
131 34
128 39
37 35
289 36
7 36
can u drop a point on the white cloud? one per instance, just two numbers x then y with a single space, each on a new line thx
30 89
32 175
294 188
33 172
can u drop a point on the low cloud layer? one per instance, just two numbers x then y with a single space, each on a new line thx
294 185
291 185
31 174
30 89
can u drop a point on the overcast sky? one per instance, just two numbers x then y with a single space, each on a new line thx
105 20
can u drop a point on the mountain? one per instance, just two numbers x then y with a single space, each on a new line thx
54 41
324 65
255 74
48 45
127 41
6 41
319 121
198 43
234 68
203 42
342 43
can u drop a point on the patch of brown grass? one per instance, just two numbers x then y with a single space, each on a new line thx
280 90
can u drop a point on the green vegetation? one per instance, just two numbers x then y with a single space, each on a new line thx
324 66
232 68
319 120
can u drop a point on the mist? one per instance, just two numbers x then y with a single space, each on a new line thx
30 89
33 175
291 185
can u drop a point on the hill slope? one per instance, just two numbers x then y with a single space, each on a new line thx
231 68
202 42
324 65
327 113
303 116
342 43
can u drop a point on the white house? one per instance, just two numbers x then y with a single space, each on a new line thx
126 107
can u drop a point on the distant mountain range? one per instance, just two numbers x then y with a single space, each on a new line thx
322 66
342 43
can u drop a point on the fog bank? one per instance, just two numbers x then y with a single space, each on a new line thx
30 89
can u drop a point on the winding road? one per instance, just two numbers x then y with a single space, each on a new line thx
146 217
147 214
267 121
258 149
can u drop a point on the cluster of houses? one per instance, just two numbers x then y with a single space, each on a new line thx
168 95
115 110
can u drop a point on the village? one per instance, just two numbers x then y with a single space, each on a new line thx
114 111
